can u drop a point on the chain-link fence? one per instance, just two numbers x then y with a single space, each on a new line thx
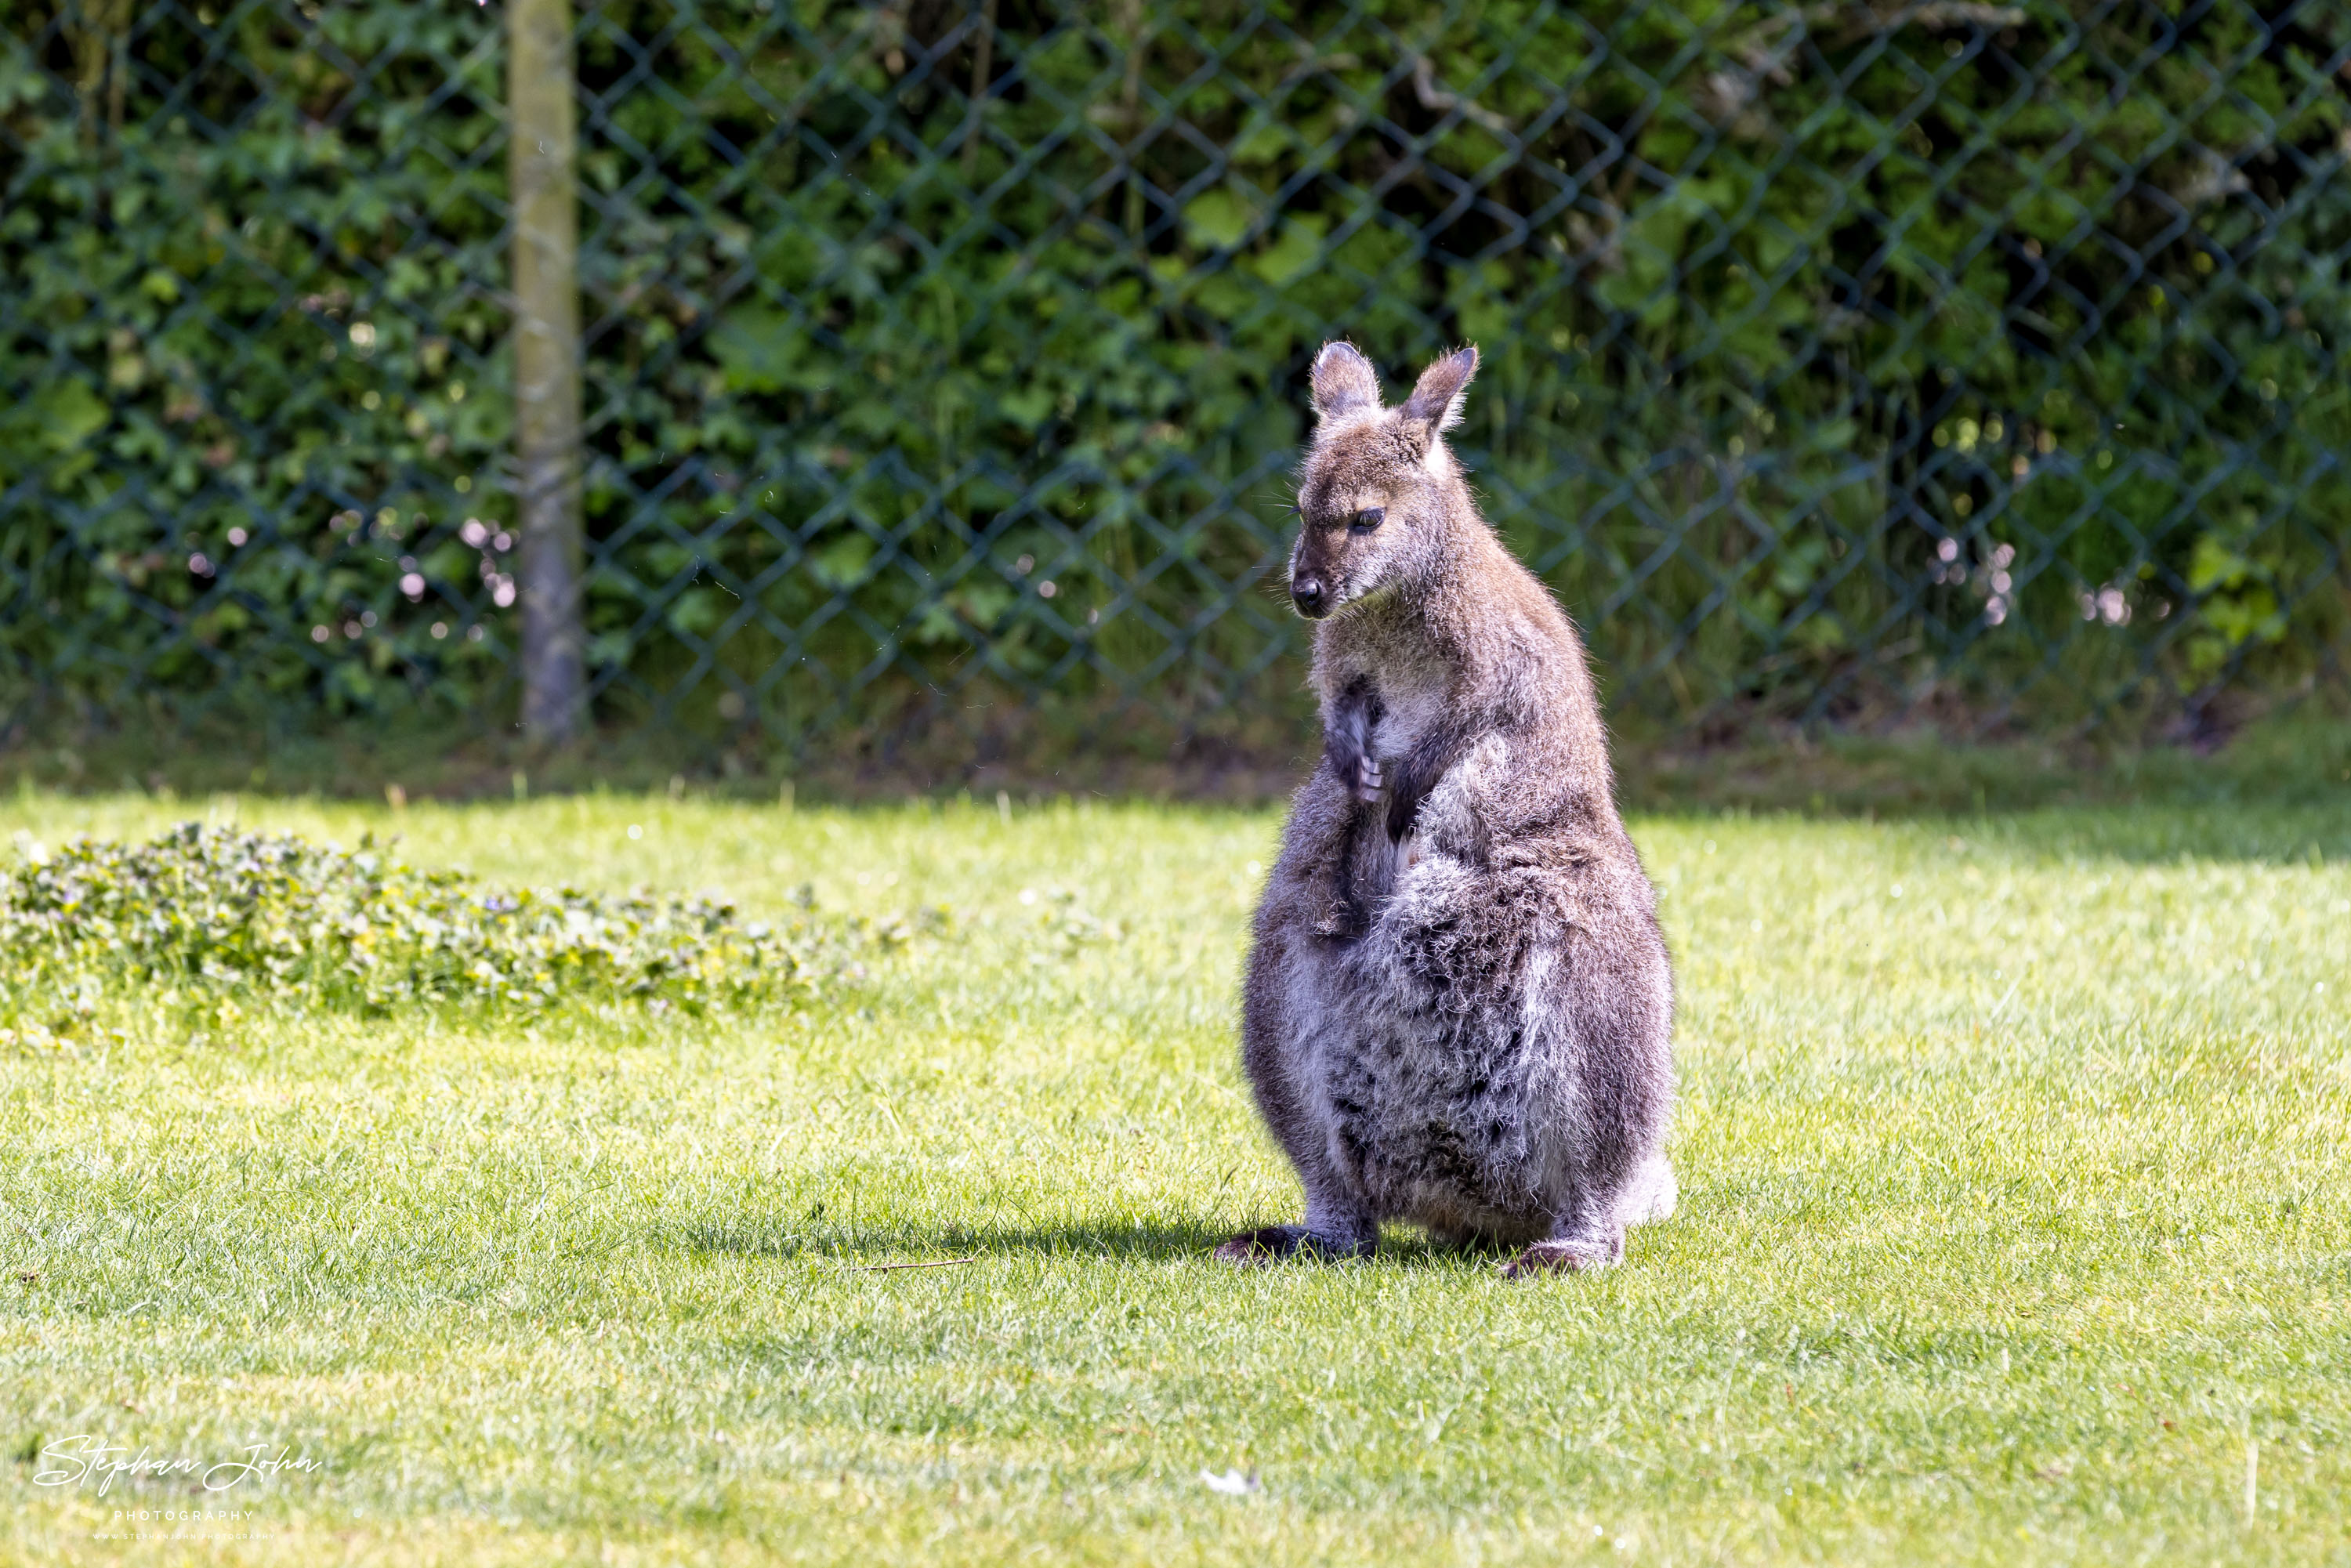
942 360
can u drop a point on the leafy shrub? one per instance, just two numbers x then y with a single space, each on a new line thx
1829 346
274 919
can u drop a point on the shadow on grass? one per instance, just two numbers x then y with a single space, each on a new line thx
2312 835
914 1246
1154 1241
2290 752
2293 760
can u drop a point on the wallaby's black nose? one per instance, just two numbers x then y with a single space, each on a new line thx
1306 593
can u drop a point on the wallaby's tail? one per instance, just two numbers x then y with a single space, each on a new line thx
1651 1194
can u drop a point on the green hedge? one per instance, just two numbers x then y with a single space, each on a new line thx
1836 358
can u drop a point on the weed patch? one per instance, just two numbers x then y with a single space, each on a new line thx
208 914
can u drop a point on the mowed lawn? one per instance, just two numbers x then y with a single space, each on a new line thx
2012 1155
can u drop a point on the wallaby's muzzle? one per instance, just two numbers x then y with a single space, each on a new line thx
1311 598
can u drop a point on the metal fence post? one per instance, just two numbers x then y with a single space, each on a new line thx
547 363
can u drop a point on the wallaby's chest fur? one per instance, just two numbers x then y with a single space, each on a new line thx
1410 686
1459 1007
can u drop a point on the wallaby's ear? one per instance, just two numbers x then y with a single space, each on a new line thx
1344 381
1435 401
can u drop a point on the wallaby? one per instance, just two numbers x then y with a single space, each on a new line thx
1460 1007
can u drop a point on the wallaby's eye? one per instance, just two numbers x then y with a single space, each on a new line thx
1367 519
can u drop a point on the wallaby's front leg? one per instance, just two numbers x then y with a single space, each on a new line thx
1348 740
1417 773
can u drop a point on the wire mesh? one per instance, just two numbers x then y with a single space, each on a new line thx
943 361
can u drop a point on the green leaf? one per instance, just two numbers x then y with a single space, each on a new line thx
766 351
1216 219
1299 247
70 414
843 563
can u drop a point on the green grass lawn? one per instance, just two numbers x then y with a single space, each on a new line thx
2012 1226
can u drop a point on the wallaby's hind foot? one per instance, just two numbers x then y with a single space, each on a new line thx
1560 1257
1270 1244
1256 1249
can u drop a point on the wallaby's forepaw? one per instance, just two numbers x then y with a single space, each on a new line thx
1337 925
1410 851
1256 1249
1367 780
1564 1258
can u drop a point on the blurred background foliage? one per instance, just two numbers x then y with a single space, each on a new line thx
1844 364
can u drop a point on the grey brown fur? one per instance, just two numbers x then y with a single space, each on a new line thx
1459 1009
